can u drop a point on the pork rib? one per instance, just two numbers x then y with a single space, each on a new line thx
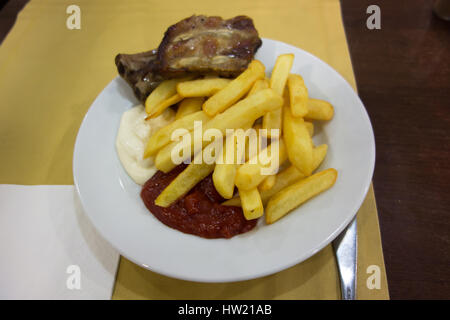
197 45
209 45
140 70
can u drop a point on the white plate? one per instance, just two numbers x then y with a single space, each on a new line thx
112 200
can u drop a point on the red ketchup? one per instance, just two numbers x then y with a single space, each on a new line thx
199 212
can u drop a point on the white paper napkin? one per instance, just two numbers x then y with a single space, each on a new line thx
48 247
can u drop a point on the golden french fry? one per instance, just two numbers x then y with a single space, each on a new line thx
225 172
234 202
257 126
251 203
298 142
319 110
184 182
162 137
163 159
310 127
252 150
291 174
163 106
319 154
251 174
234 90
188 106
246 110
291 197
223 179
298 94
259 85
284 178
201 87
163 91
242 113
280 72
273 121
267 183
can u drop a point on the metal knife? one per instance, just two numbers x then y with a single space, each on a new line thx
346 249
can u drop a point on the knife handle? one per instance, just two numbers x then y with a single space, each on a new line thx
345 248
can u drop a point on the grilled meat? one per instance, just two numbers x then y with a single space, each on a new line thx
209 45
140 70
197 45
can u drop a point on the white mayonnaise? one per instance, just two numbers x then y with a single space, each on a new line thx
134 132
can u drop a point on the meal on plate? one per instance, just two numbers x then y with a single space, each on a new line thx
216 143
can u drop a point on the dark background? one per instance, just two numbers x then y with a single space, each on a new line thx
403 77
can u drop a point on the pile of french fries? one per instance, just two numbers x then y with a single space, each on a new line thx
249 101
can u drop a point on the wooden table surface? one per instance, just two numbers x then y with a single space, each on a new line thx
403 76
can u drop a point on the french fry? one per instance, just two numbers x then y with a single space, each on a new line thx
162 137
258 86
273 120
298 142
285 178
251 203
184 182
250 152
298 94
267 183
163 106
319 110
291 174
188 106
235 89
319 154
225 173
293 196
234 202
310 127
247 110
250 174
201 87
223 179
163 159
243 112
163 91
280 73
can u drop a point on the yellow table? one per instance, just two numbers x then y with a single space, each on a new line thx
50 75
